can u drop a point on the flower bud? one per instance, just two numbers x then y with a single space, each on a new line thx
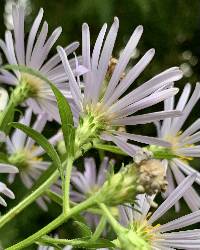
120 187
147 177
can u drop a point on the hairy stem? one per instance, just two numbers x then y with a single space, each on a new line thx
99 228
66 187
35 194
29 199
54 224
114 223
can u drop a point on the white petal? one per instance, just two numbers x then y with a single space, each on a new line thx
131 76
173 198
146 118
144 139
123 61
7 168
105 56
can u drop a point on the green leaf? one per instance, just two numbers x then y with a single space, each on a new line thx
42 141
84 230
6 117
67 123
109 148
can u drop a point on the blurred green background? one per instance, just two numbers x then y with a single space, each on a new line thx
171 27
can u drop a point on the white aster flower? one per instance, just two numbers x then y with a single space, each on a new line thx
183 143
102 100
166 236
5 168
26 155
34 55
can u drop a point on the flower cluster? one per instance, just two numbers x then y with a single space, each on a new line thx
88 98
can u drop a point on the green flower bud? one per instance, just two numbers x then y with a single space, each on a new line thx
122 187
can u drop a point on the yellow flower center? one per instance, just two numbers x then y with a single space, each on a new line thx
145 230
175 141
22 158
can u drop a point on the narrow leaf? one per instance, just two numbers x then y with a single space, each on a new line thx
109 148
41 140
83 229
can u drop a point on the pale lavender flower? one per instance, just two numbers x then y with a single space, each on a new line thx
26 155
166 236
89 182
34 55
103 99
5 168
184 143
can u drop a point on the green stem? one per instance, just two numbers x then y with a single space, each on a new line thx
66 187
19 95
35 194
78 242
73 242
99 228
54 224
29 199
114 223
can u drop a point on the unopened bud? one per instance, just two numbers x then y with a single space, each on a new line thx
120 187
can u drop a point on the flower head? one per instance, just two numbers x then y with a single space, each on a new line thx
184 144
25 154
162 236
34 55
3 188
102 105
89 182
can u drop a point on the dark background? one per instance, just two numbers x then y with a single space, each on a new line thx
171 27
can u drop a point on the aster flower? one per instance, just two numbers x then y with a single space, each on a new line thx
102 105
89 182
158 236
5 168
34 55
24 154
184 144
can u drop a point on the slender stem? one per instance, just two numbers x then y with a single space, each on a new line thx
5 118
34 195
54 224
18 95
29 199
66 187
99 228
73 242
114 223
78 242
